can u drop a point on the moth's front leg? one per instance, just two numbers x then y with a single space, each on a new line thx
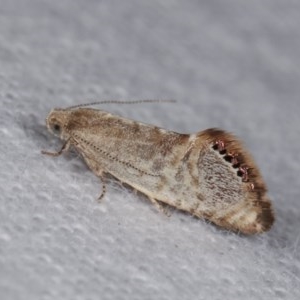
63 149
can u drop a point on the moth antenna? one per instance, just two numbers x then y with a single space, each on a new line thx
123 102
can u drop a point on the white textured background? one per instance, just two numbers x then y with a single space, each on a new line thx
231 64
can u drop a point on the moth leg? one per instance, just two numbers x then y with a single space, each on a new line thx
160 207
103 188
98 171
63 149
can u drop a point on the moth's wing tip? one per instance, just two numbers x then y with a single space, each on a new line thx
265 217
262 217
263 221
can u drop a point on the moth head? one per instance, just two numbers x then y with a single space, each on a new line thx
56 123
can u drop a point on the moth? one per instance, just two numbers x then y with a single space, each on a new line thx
208 174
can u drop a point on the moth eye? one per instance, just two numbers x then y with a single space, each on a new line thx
56 128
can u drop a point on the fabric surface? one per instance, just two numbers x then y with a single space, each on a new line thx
229 64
